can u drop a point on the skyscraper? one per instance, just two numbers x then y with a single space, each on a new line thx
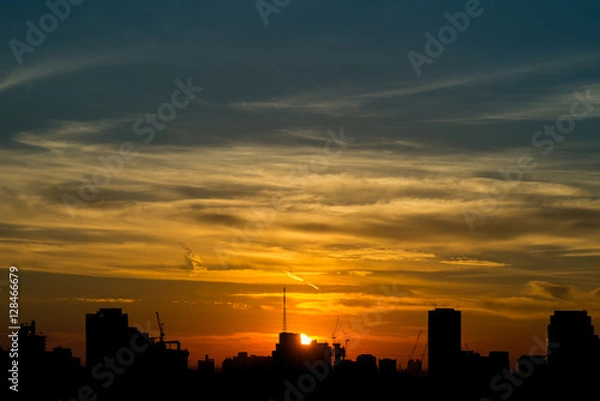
571 341
444 342
106 331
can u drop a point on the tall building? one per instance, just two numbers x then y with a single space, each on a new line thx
572 344
106 331
290 353
444 342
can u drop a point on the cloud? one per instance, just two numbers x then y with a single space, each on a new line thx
383 100
342 101
236 305
367 252
193 261
370 211
596 293
551 290
52 68
542 107
361 273
473 262
101 300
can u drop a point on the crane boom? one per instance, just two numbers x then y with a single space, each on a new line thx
415 346
333 336
160 328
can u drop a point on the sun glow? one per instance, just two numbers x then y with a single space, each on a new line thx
304 339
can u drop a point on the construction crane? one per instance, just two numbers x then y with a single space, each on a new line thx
333 337
161 338
160 328
415 367
346 337
415 346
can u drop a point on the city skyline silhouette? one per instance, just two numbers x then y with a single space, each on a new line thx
121 359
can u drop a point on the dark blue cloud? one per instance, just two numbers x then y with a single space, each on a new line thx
331 50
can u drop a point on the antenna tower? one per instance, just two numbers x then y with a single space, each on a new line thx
284 311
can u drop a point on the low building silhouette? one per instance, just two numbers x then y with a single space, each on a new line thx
206 366
247 364
387 367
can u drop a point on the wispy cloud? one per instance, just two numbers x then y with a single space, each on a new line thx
366 101
473 262
551 290
193 261
360 273
55 67
101 300
339 102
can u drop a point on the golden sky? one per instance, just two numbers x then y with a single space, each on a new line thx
304 154
374 238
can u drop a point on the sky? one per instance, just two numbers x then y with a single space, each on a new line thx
378 159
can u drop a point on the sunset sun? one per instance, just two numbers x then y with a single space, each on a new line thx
304 339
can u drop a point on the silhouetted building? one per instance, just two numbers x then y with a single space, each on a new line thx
42 372
366 364
339 353
530 364
388 367
291 355
247 364
206 366
476 371
30 342
444 342
571 341
469 367
106 331
495 363
171 355
414 367
144 366
287 351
